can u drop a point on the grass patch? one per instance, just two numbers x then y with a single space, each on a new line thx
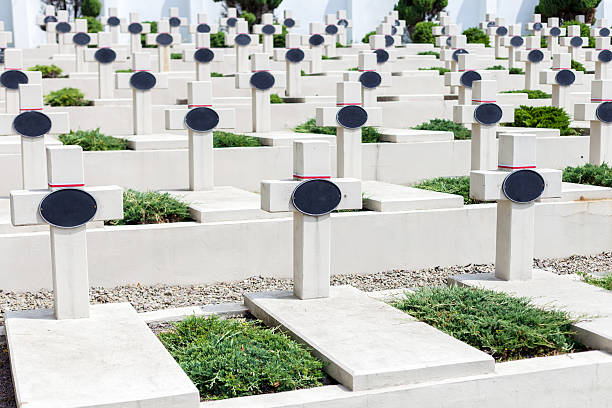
176 55
274 98
48 71
505 327
216 75
369 134
548 117
441 70
234 358
353 69
495 68
151 207
93 140
124 70
67 97
449 185
228 139
589 174
517 71
436 54
460 131
577 66
602 282
531 93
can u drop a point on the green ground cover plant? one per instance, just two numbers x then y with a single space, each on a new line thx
604 282
93 140
369 134
589 174
460 131
548 117
151 207
228 139
436 54
67 97
441 70
531 93
477 36
48 71
274 98
449 185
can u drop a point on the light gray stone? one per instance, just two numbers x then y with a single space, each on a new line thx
384 197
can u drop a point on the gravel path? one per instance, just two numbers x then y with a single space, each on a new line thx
7 397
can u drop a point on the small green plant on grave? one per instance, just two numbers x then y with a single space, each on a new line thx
143 37
531 93
67 97
450 185
436 54
151 207
369 134
176 55
93 140
47 71
475 35
234 358
129 70
548 117
589 174
366 38
577 66
216 75
517 71
325 57
227 139
603 281
505 327
279 39
441 70
496 68
274 98
423 34
217 40
338 45
353 69
460 131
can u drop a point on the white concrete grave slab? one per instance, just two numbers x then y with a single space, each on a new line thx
392 135
387 197
406 351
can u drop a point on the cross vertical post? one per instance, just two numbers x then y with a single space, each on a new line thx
331 31
574 42
515 43
46 18
369 78
243 42
536 26
552 32
105 56
345 23
163 39
599 113
601 56
317 41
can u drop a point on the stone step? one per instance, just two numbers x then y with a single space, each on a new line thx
384 197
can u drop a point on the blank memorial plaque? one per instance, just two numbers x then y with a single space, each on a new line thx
50 19
488 114
113 21
491 24
457 52
105 55
605 56
143 81
294 55
352 117
393 30
604 32
32 124
382 56
389 40
316 40
204 55
555 31
316 197
231 22
68 208
537 26
370 79
262 80
174 21
565 77
535 56
242 39
501 31
203 28
201 119
268 29
523 186
13 78
517 41
163 39
135 28
81 39
468 77
331 29
289 23
63 27
604 112
576 42
449 42
342 22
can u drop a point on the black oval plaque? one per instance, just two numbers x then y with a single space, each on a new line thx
604 32
457 52
143 81
105 55
449 41
231 22
535 56
135 28
393 30
68 208
501 31
331 29
289 23
604 112
203 28
50 19
555 31
204 55
352 117
32 124
491 24
517 41
370 79
63 27
605 56
113 21
13 78
201 119
242 39
523 186
81 39
576 42
174 21
468 77
389 40
488 114
316 197
565 77
163 39
537 26
294 55
262 80
382 56
316 39
343 22
268 29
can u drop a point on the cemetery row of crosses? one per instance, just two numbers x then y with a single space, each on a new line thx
229 219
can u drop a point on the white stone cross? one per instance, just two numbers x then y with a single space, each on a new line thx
267 29
601 56
311 196
397 26
348 118
485 115
135 28
392 40
536 27
81 40
499 31
574 42
346 23
533 57
63 29
553 32
66 206
200 120
163 39
562 77
444 32
289 22
113 22
601 28
176 23
384 57
106 57
515 43
294 56
32 125
202 26
243 43
370 79
229 23
317 41
43 20
203 56
261 80
464 77
489 22
450 55
6 37
13 76
599 113
331 30
515 185
141 81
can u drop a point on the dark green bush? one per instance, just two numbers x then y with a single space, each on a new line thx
567 9
449 185
516 71
216 75
477 36
460 131
366 38
441 70
93 25
577 66
603 282
47 71
217 40
91 8
548 117
368 134
279 39
143 37
415 11
151 207
589 174
496 68
532 93
250 18
67 97
176 55
274 98
422 33
436 54
91 140
228 139
233 358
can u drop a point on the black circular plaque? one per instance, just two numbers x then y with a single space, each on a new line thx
142 80
203 28
50 19
393 30
331 29
268 29
163 39
135 28
468 77
294 55
316 39
604 112
537 26
68 208
382 56
605 56
389 40
81 39
555 31
604 32
316 197
491 24
242 39
63 27
501 31
289 23
113 21
174 21
201 119
370 79
32 124
105 55
576 42
535 56
565 77
231 22
204 55
262 80
457 52
343 22
517 41
488 114
13 78
449 42
523 186
352 117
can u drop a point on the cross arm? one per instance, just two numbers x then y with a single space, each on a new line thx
585 111
151 39
276 194
454 78
214 28
123 80
89 54
59 123
175 118
257 28
524 55
353 76
549 77
566 41
243 79
465 113
146 27
279 54
486 185
327 116
188 55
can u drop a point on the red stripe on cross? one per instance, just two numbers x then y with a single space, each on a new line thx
479 101
348 104
600 100
199 106
501 166
310 177
66 185
29 109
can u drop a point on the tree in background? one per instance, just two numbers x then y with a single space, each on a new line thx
415 11
475 35
568 9
256 7
423 34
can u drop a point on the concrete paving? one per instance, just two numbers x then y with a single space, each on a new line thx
384 197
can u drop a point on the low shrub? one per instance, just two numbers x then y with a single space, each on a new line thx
234 358
47 71
436 54
532 93
517 71
217 40
67 97
441 70
577 66
460 131
151 207
369 134
503 326
176 55
124 70
279 39
603 282
475 35
423 34
228 139
143 37
366 38
496 68
449 185
589 174
274 98
93 24
216 75
353 69
548 117
93 140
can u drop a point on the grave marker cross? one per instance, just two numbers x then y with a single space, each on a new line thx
369 78
44 20
13 76
562 78
163 39
536 27
316 41
229 23
499 31
465 76
533 56
267 29
601 28
344 22
384 57
515 43
135 28
63 29
574 42
176 23
599 113
81 40
203 27
105 56
288 21
601 56
293 56
113 22
203 56
553 32
243 42
332 30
